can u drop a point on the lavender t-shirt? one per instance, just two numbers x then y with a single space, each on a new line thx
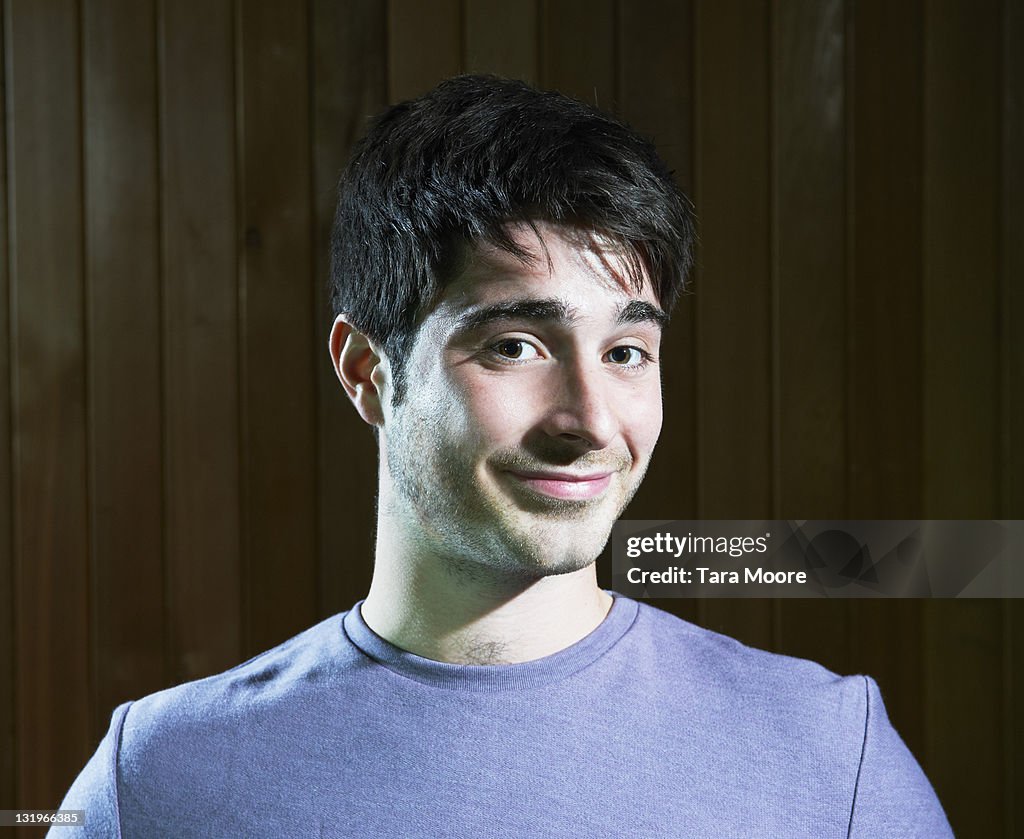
648 727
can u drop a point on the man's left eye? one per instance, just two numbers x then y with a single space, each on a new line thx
626 356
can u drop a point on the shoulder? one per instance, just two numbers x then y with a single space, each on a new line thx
313 655
94 791
725 664
187 740
751 696
796 717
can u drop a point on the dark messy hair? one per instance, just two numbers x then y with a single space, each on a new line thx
460 164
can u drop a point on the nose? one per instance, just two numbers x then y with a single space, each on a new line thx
580 409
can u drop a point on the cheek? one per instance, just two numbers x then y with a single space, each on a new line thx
493 409
643 419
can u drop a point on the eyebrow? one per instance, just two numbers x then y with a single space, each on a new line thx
636 311
640 311
528 309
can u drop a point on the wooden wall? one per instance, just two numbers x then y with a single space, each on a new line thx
182 483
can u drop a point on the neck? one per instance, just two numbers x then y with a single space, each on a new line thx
462 614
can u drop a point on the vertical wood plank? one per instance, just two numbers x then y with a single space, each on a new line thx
1011 350
1012 722
734 305
656 90
1012 368
1011 252
818 630
578 46
200 300
809 227
884 292
425 45
961 170
502 38
655 47
349 86
49 422
961 277
809 307
884 331
278 407
123 302
965 682
8 661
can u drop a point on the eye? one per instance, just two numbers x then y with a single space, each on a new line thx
626 356
515 349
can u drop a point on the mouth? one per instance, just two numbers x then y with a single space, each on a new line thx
565 486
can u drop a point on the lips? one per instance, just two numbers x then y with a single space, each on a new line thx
564 486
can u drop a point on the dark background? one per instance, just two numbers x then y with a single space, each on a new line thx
182 481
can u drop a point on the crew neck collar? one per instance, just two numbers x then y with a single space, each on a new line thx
494 677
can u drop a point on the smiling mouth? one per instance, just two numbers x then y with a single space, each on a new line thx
564 486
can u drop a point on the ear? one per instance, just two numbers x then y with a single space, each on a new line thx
360 369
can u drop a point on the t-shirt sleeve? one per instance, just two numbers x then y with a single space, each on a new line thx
892 798
95 789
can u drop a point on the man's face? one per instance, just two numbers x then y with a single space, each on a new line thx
532 409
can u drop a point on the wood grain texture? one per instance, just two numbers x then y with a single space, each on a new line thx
8 658
884 292
276 323
809 298
349 85
1012 722
578 50
961 398
1011 252
48 400
965 681
502 37
201 343
859 170
124 351
655 78
884 60
818 630
809 257
733 303
425 45
1011 478
961 260
733 180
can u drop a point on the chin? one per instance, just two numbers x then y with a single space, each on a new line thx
559 537
513 559
553 549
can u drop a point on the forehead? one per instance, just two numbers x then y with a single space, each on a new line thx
585 270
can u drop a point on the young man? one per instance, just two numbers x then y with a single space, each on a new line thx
504 261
